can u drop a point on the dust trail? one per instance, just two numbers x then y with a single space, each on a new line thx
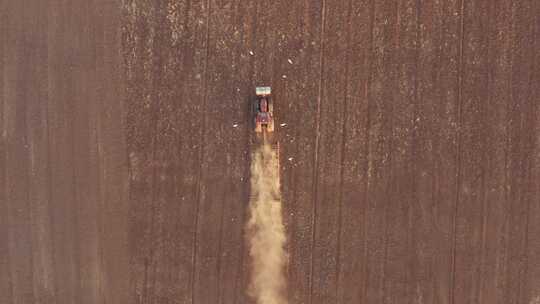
266 233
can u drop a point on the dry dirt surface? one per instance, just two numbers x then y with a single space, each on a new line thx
409 151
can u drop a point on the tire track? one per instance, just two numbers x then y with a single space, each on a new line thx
317 141
484 222
18 90
391 177
220 249
532 268
300 30
473 155
492 287
6 293
342 154
95 140
201 154
414 152
367 152
156 78
39 203
74 89
114 182
518 169
528 151
293 198
49 186
507 161
140 144
316 156
458 161
63 67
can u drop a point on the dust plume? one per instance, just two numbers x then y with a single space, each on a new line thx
266 233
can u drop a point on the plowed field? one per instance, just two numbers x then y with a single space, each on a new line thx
409 136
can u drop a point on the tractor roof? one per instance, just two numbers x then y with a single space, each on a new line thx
262 91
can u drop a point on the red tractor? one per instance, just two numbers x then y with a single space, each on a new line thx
264 110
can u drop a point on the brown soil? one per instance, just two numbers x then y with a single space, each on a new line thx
410 158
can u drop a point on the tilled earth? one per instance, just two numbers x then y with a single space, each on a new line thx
409 136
